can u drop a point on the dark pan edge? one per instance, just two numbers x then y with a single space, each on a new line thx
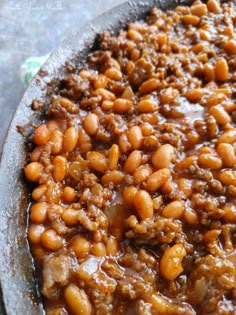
18 287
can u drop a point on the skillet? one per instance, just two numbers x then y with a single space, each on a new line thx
19 291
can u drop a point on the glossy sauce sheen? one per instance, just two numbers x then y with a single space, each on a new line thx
134 206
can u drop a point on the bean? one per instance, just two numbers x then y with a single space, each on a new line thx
116 177
221 70
35 232
107 105
190 216
51 240
77 300
56 139
194 95
41 135
209 161
84 141
229 31
33 171
142 173
185 185
36 153
228 177
59 169
123 143
147 106
227 154
209 72
70 216
38 212
221 116
68 194
190 19
143 204
210 236
147 130
99 249
114 154
70 139
149 85
39 192
105 94
157 179
169 95
100 82
199 9
64 102
163 156
130 66
91 124
135 137
159 304
129 195
174 209
227 137
133 162
185 163
97 161
230 46
214 6
215 99
80 246
162 39
113 74
122 105
112 247
171 262
230 213
134 35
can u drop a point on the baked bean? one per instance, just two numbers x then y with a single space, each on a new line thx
135 137
185 163
215 99
171 262
116 177
143 204
130 66
157 179
51 240
101 82
158 303
99 249
39 192
214 6
33 171
64 102
229 31
114 154
97 161
230 46
221 116
149 85
199 9
80 246
146 130
230 213
194 95
174 209
38 213
68 194
210 236
77 300
134 35
56 139
147 106
209 72
169 95
190 216
124 144
133 162
209 161
41 135
227 137
84 141
227 154
107 105
112 247
142 173
59 170
221 70
36 153
163 156
228 177
105 94
70 139
185 185
122 105
91 124
129 195
70 216
190 19
35 232
114 74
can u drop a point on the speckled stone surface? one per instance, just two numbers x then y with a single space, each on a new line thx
34 28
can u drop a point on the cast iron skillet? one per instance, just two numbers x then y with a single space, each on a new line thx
19 291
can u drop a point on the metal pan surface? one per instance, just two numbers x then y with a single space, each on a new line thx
18 288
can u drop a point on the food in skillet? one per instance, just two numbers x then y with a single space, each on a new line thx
134 205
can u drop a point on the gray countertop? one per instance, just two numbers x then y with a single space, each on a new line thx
34 28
